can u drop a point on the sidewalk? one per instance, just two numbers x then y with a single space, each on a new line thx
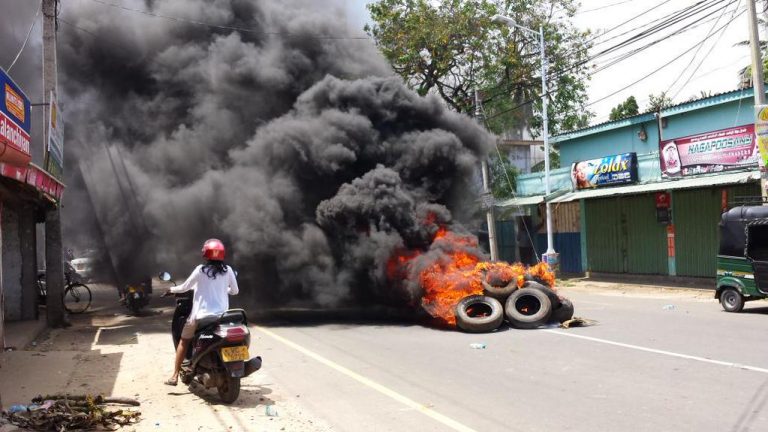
19 334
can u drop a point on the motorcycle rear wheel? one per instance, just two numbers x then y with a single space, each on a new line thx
229 389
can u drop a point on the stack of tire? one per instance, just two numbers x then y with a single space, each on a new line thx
530 306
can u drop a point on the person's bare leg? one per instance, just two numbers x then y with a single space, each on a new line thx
180 353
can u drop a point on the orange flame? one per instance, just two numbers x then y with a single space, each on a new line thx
458 272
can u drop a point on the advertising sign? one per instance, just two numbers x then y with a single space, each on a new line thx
761 130
606 171
55 162
721 150
15 123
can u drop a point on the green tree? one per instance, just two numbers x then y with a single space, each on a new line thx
451 47
627 108
658 102
503 177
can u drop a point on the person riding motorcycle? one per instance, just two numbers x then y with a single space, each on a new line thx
211 283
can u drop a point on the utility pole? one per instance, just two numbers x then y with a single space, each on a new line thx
54 257
759 93
487 195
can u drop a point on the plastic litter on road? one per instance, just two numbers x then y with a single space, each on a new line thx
478 345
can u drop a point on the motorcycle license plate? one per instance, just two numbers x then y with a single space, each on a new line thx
136 295
237 353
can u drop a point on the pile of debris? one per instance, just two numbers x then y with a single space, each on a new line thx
72 412
526 297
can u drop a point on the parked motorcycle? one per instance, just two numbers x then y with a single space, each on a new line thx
218 355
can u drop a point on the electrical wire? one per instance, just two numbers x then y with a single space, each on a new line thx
624 57
26 39
669 21
705 56
662 66
224 27
603 7
696 53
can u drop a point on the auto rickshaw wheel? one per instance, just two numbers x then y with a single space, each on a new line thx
732 300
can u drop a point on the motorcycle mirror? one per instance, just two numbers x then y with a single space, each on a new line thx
165 276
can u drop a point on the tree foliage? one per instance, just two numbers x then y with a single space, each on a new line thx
658 102
451 47
625 109
503 177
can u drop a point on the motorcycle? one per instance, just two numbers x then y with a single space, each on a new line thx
136 297
218 353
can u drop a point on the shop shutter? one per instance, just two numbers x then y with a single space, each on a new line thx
696 215
605 247
624 237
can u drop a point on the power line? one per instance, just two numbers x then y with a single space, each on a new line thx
662 66
224 27
629 54
623 88
78 28
26 39
670 20
603 7
705 55
693 58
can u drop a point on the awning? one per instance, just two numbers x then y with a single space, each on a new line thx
683 183
521 201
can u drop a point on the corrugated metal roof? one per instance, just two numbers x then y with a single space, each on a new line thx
691 105
521 201
684 183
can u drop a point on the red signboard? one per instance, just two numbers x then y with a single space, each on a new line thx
15 123
662 199
721 150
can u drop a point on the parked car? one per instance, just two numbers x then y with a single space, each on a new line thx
83 267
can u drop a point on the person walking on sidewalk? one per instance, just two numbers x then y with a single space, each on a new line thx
212 284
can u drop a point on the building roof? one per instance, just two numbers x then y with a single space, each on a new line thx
691 105
682 183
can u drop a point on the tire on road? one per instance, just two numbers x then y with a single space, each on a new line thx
499 293
732 300
564 312
528 308
479 313
553 298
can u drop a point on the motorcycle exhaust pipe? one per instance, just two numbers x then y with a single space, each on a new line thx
252 365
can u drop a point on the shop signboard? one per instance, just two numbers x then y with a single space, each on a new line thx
55 160
720 150
15 123
605 171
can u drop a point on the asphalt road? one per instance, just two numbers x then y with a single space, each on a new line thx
647 366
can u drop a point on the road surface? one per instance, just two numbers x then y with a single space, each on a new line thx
657 361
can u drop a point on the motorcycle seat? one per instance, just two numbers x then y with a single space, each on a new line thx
206 322
232 316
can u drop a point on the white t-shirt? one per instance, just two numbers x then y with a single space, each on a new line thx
210 295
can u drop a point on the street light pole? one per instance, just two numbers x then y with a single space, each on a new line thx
509 22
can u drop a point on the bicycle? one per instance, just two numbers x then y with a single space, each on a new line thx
76 297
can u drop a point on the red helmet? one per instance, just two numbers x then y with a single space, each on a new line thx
213 249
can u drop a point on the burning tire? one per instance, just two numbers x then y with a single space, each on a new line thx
564 312
553 298
479 313
499 292
528 308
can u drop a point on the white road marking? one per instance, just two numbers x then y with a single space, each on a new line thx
447 421
662 352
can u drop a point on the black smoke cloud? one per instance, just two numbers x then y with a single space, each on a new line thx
298 148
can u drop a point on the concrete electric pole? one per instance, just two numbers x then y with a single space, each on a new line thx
54 256
488 201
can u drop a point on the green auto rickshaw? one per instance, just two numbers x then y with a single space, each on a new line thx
742 260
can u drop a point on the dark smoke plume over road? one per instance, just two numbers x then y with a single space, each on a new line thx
298 148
